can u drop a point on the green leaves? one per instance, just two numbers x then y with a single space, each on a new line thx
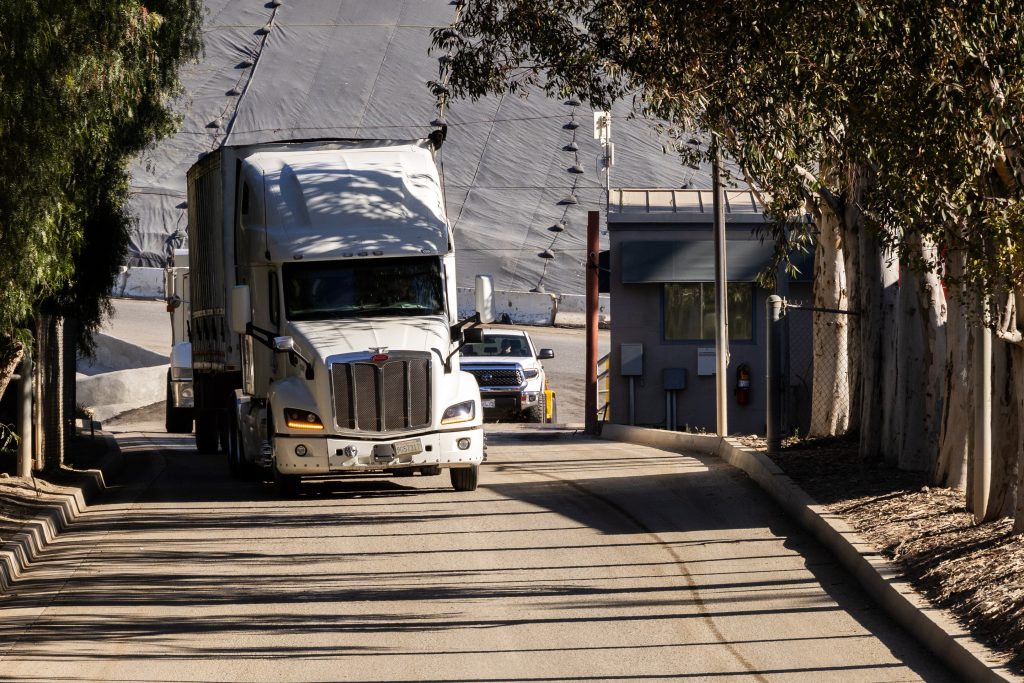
83 86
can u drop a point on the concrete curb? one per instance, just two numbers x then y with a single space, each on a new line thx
26 546
932 627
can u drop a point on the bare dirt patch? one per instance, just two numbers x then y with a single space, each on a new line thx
974 571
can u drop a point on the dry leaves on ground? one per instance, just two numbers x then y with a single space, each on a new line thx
974 571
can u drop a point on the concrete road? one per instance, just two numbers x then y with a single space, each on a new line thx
575 560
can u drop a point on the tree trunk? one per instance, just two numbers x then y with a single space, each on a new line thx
11 353
850 242
955 433
891 371
933 308
830 393
911 349
873 380
1005 428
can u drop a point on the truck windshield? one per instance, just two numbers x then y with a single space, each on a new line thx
514 346
326 290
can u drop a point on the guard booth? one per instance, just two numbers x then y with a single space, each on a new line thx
662 273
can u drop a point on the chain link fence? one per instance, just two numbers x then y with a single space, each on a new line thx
815 340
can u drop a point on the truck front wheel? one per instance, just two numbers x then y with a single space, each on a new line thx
176 420
464 478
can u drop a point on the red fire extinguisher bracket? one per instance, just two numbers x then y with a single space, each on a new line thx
742 391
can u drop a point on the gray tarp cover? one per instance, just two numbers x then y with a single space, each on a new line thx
359 69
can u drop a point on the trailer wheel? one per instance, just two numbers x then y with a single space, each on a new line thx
464 478
207 433
176 420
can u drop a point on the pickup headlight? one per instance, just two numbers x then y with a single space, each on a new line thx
530 374
302 419
460 412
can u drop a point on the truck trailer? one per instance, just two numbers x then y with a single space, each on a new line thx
324 331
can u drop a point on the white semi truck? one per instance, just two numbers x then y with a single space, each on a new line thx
180 399
324 331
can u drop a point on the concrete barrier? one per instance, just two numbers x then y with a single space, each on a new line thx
933 628
572 310
519 308
140 283
112 354
113 393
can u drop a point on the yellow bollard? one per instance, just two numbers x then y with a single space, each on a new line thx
550 412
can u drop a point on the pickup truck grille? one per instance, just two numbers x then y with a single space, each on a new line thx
389 396
496 377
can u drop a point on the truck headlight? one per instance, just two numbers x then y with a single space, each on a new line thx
530 374
460 412
302 419
181 373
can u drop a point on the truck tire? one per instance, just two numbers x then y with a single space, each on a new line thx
176 420
207 433
539 412
240 467
464 478
430 470
285 485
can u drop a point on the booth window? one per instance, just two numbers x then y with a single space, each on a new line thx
690 311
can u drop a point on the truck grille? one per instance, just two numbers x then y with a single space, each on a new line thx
390 396
497 377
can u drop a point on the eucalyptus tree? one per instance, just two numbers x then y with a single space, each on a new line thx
83 87
895 124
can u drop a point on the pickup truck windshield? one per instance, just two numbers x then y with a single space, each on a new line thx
328 290
512 346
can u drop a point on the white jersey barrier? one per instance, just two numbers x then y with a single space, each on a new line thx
518 308
572 310
140 283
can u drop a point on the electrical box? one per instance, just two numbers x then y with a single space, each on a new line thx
673 379
631 360
705 361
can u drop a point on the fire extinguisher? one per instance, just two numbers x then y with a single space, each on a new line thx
743 384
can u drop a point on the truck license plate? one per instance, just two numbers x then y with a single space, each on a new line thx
487 403
408 447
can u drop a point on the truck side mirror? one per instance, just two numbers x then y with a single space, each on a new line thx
284 343
485 298
545 354
241 313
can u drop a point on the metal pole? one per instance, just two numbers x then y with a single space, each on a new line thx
982 422
25 415
774 393
721 302
593 247
632 404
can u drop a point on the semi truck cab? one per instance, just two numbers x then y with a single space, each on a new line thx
335 348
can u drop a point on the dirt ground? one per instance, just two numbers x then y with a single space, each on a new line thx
974 571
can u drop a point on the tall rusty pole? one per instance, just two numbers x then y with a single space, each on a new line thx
593 248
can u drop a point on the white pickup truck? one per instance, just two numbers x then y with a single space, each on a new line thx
508 368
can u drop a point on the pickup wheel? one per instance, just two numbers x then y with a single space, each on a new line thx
464 478
538 413
176 420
